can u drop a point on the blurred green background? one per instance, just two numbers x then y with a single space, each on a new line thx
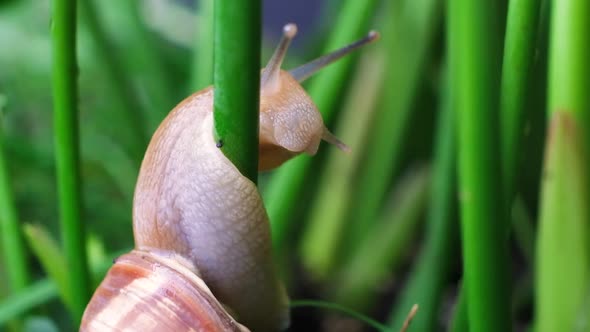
447 117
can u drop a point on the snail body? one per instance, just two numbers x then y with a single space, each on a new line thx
197 217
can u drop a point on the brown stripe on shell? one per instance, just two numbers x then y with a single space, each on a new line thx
146 292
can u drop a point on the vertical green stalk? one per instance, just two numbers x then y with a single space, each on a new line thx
123 95
15 256
384 247
283 192
65 99
432 271
202 66
519 48
327 213
562 262
563 255
474 50
157 81
410 38
237 82
569 69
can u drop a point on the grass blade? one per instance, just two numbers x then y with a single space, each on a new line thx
15 257
47 250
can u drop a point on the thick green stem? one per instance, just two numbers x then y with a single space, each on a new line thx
474 51
65 100
237 82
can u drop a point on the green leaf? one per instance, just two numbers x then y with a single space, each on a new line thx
47 250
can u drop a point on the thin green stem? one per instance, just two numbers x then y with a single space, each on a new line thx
459 321
383 249
474 50
120 84
335 307
202 69
65 99
36 294
432 271
410 37
335 190
237 82
43 291
519 48
282 194
15 256
144 51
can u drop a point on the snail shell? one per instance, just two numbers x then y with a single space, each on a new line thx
144 291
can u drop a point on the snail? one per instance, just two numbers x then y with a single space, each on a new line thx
202 259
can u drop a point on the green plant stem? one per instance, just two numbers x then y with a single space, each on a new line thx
144 51
47 251
562 264
281 196
120 85
202 66
475 53
327 214
382 250
523 230
65 99
519 48
432 271
335 307
563 250
15 256
410 37
43 291
237 82
34 295
569 69
459 321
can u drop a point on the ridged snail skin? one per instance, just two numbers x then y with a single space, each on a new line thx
146 292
